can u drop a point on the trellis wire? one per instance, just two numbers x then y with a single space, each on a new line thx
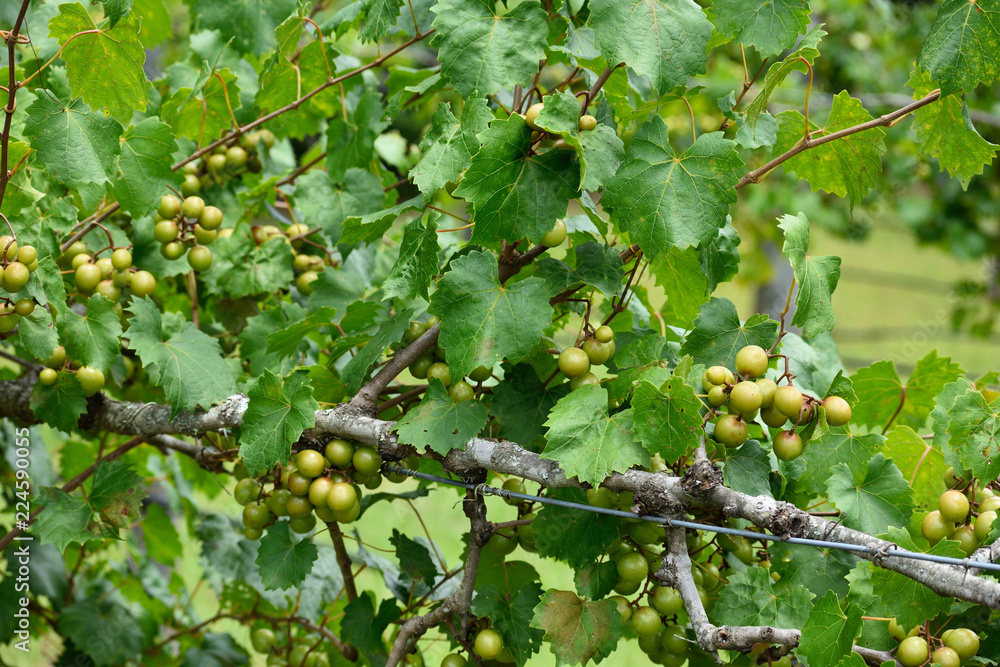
856 548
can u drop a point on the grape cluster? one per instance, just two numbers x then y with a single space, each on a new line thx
587 123
187 227
315 485
955 518
575 362
292 654
747 395
106 276
91 379
433 364
16 265
225 161
952 649
306 266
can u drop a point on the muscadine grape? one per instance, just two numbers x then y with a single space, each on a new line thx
644 532
673 639
236 156
418 368
210 218
278 502
787 445
104 264
339 453
788 401
298 483
256 515
526 533
912 651
57 359
745 398
767 388
555 236
600 497
80 260
717 396
349 515
267 138
193 207
15 277
731 431
263 640
488 644
604 334
573 362
440 371
946 657
24 307
984 524
165 231
966 538
170 206
963 641
310 462
319 491
632 567
503 541
624 587
531 115
838 411
666 600
954 506
991 504
142 283
303 282
413 332
246 491
713 376
367 460
91 379
302 524
751 361
216 163
646 622
298 506
515 485
935 527
191 185
462 391
597 351
481 374
583 380
27 255
454 660
48 377
341 497
204 236
108 290
587 123
173 250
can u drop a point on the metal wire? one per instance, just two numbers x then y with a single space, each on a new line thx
843 546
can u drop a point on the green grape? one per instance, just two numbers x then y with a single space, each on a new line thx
170 206
263 640
515 485
787 445
674 639
597 352
767 388
310 462
488 644
954 506
788 401
166 231
91 379
966 538
964 642
632 567
745 398
583 381
418 368
367 460
340 453
440 371
246 491
462 391
298 506
935 527
731 431
646 622
298 483
48 377
480 374
838 411
319 491
666 600
454 660
912 651
573 362
302 524
751 361
503 541
604 334
946 657
277 502
341 497
256 515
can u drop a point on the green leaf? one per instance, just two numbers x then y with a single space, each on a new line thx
588 443
326 205
847 167
511 616
671 38
417 263
912 602
747 470
926 381
945 132
570 535
144 166
481 51
879 392
92 339
921 462
440 423
276 415
414 559
596 580
642 358
871 498
718 335
250 23
769 27
515 193
243 268
363 628
667 421
681 275
160 536
594 264
114 10
351 140
577 630
975 433
19 193
61 404
155 27
110 480
522 402
940 419
74 144
829 632
37 335
484 322
750 599
282 80
816 277
370 228
202 115
390 331
380 16
104 66
285 342
284 563
819 569
664 199
831 446
88 622
188 366
65 519
797 61
447 148
960 51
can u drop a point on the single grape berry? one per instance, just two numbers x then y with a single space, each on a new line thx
246 491
210 217
481 374
24 307
121 259
298 506
27 255
912 651
573 361
454 660
745 398
462 391
367 460
263 640
91 379
170 206
963 641
731 431
555 236
751 361
935 527
604 334
966 538
788 401
717 396
587 123
165 231
48 377
440 371
200 258
632 567
767 388
173 250
488 644
954 506
583 380
339 453
193 207
310 462
838 411
191 185
787 445
15 277
142 283
531 115
646 622
946 657
598 352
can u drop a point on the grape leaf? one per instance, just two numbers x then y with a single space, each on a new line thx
282 80
144 166
414 558
250 23
447 148
847 167
380 16
390 331
283 562
326 205
571 535
921 461
668 38
92 339
104 66
829 632
481 51
769 27
61 404
578 630
522 402
417 263
202 114
975 433
440 423
65 520
720 259
243 268
515 193
370 228
596 580
88 622
718 335
960 51
188 366
588 443
820 569
484 322
363 628
594 264
74 144
664 199
796 61
351 139
750 599
746 470
680 274
667 421
912 602
871 498
285 342
37 335
276 415
511 616
879 392
110 480
940 420
114 10
155 26
832 445
926 381
945 132
816 277
638 359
